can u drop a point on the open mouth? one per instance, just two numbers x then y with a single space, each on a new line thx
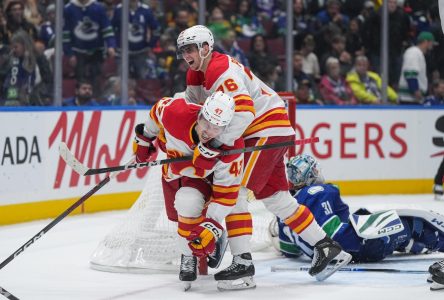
190 63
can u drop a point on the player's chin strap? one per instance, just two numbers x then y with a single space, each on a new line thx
202 58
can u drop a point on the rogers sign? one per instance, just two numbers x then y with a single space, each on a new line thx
347 135
86 148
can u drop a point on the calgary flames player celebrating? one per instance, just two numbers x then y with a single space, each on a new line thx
183 129
260 118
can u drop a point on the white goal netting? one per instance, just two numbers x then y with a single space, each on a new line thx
145 241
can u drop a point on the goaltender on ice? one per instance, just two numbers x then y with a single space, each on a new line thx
260 118
367 236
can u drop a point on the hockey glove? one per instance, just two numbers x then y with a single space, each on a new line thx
204 236
143 147
205 157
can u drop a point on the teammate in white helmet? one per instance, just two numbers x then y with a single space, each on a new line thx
261 118
181 129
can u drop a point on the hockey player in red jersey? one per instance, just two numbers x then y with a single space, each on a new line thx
261 118
210 182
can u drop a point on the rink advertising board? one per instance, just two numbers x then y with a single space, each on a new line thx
364 150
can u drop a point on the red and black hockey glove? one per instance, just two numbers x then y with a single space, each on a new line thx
204 236
143 146
205 157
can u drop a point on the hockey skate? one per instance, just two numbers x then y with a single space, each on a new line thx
215 258
188 270
238 276
437 272
438 192
326 251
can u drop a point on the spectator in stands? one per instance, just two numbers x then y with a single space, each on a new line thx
437 97
366 85
333 88
269 74
413 84
337 50
27 76
87 30
47 31
302 23
332 14
266 8
142 36
245 22
354 43
31 12
83 95
15 21
398 39
367 11
181 17
303 85
228 45
218 24
259 54
310 63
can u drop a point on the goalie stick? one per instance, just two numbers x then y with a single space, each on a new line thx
351 269
81 169
52 224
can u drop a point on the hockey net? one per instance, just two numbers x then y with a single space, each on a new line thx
145 241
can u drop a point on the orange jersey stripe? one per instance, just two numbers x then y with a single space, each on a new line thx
238 217
252 162
305 224
226 189
240 108
192 221
275 111
239 232
224 201
271 124
300 220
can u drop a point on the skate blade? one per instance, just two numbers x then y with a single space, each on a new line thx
439 197
436 286
342 259
238 284
186 285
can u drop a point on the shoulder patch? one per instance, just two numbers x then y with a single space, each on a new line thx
315 189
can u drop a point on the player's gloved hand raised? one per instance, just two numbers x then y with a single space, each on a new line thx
204 236
143 147
205 157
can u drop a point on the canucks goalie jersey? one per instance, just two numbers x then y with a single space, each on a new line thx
421 231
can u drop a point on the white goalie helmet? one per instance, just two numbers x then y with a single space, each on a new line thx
197 35
304 170
218 109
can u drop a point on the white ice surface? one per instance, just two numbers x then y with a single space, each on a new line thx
57 267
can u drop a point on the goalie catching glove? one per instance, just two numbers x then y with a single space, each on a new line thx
204 236
143 146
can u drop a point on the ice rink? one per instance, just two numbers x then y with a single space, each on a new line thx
57 267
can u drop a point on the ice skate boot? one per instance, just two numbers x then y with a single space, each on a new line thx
437 272
438 192
326 251
238 276
188 270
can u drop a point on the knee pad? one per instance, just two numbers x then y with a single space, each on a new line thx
281 204
189 202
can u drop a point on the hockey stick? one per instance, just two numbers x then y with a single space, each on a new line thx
52 224
351 269
7 294
81 169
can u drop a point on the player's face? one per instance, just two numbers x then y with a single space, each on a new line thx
190 54
207 131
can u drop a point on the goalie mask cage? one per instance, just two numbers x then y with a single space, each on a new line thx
145 241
